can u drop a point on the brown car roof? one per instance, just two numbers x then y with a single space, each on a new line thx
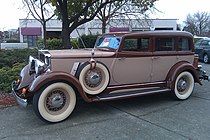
152 33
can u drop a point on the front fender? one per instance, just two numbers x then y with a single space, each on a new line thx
177 69
26 78
50 77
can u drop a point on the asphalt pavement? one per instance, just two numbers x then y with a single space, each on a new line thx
156 117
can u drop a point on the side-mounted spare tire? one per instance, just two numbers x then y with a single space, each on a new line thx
94 80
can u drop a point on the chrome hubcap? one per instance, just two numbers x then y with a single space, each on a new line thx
56 100
205 58
93 78
182 85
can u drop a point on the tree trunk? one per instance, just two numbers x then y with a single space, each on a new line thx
103 26
65 34
44 35
65 25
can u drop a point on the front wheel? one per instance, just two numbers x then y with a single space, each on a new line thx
55 102
184 85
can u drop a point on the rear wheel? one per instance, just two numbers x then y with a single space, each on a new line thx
184 85
205 58
55 102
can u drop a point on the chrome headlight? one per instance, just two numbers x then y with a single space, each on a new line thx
31 65
39 67
36 66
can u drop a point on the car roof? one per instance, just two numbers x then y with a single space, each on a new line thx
151 33
206 39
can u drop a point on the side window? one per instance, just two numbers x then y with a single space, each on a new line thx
164 44
137 44
184 44
130 44
205 42
143 44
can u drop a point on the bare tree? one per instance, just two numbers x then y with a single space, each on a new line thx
198 23
42 11
74 13
129 9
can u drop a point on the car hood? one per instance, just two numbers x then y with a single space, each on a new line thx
78 53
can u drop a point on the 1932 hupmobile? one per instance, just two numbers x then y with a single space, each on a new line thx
121 65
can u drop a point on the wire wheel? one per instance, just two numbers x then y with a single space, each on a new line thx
95 80
184 85
55 102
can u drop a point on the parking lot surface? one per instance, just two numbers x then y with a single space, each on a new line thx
148 117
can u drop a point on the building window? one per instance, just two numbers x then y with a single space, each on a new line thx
31 40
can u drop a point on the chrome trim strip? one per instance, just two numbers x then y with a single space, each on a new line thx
129 95
135 85
133 89
74 68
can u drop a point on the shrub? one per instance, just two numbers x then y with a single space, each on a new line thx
89 41
7 75
51 44
54 44
9 57
75 44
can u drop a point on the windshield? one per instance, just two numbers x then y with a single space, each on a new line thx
108 42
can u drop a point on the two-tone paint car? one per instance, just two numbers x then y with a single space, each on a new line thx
121 65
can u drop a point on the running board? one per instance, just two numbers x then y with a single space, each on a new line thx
129 93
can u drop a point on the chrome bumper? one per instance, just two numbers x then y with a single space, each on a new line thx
202 74
20 101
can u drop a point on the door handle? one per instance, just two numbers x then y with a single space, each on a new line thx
156 57
121 58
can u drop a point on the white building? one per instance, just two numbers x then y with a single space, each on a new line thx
31 29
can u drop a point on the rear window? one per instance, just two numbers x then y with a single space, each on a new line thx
184 44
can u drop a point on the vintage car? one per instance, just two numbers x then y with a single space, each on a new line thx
121 65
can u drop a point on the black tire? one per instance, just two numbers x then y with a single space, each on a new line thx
55 102
184 85
205 58
100 78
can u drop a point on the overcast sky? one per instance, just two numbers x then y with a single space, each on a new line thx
11 12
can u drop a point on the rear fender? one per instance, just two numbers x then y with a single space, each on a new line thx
177 69
50 77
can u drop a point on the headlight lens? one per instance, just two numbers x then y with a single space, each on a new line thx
39 67
36 66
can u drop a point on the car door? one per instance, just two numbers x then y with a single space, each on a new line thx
164 57
133 63
205 45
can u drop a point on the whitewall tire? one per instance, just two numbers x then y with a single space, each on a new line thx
95 80
55 102
184 85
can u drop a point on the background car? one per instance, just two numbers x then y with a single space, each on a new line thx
202 48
